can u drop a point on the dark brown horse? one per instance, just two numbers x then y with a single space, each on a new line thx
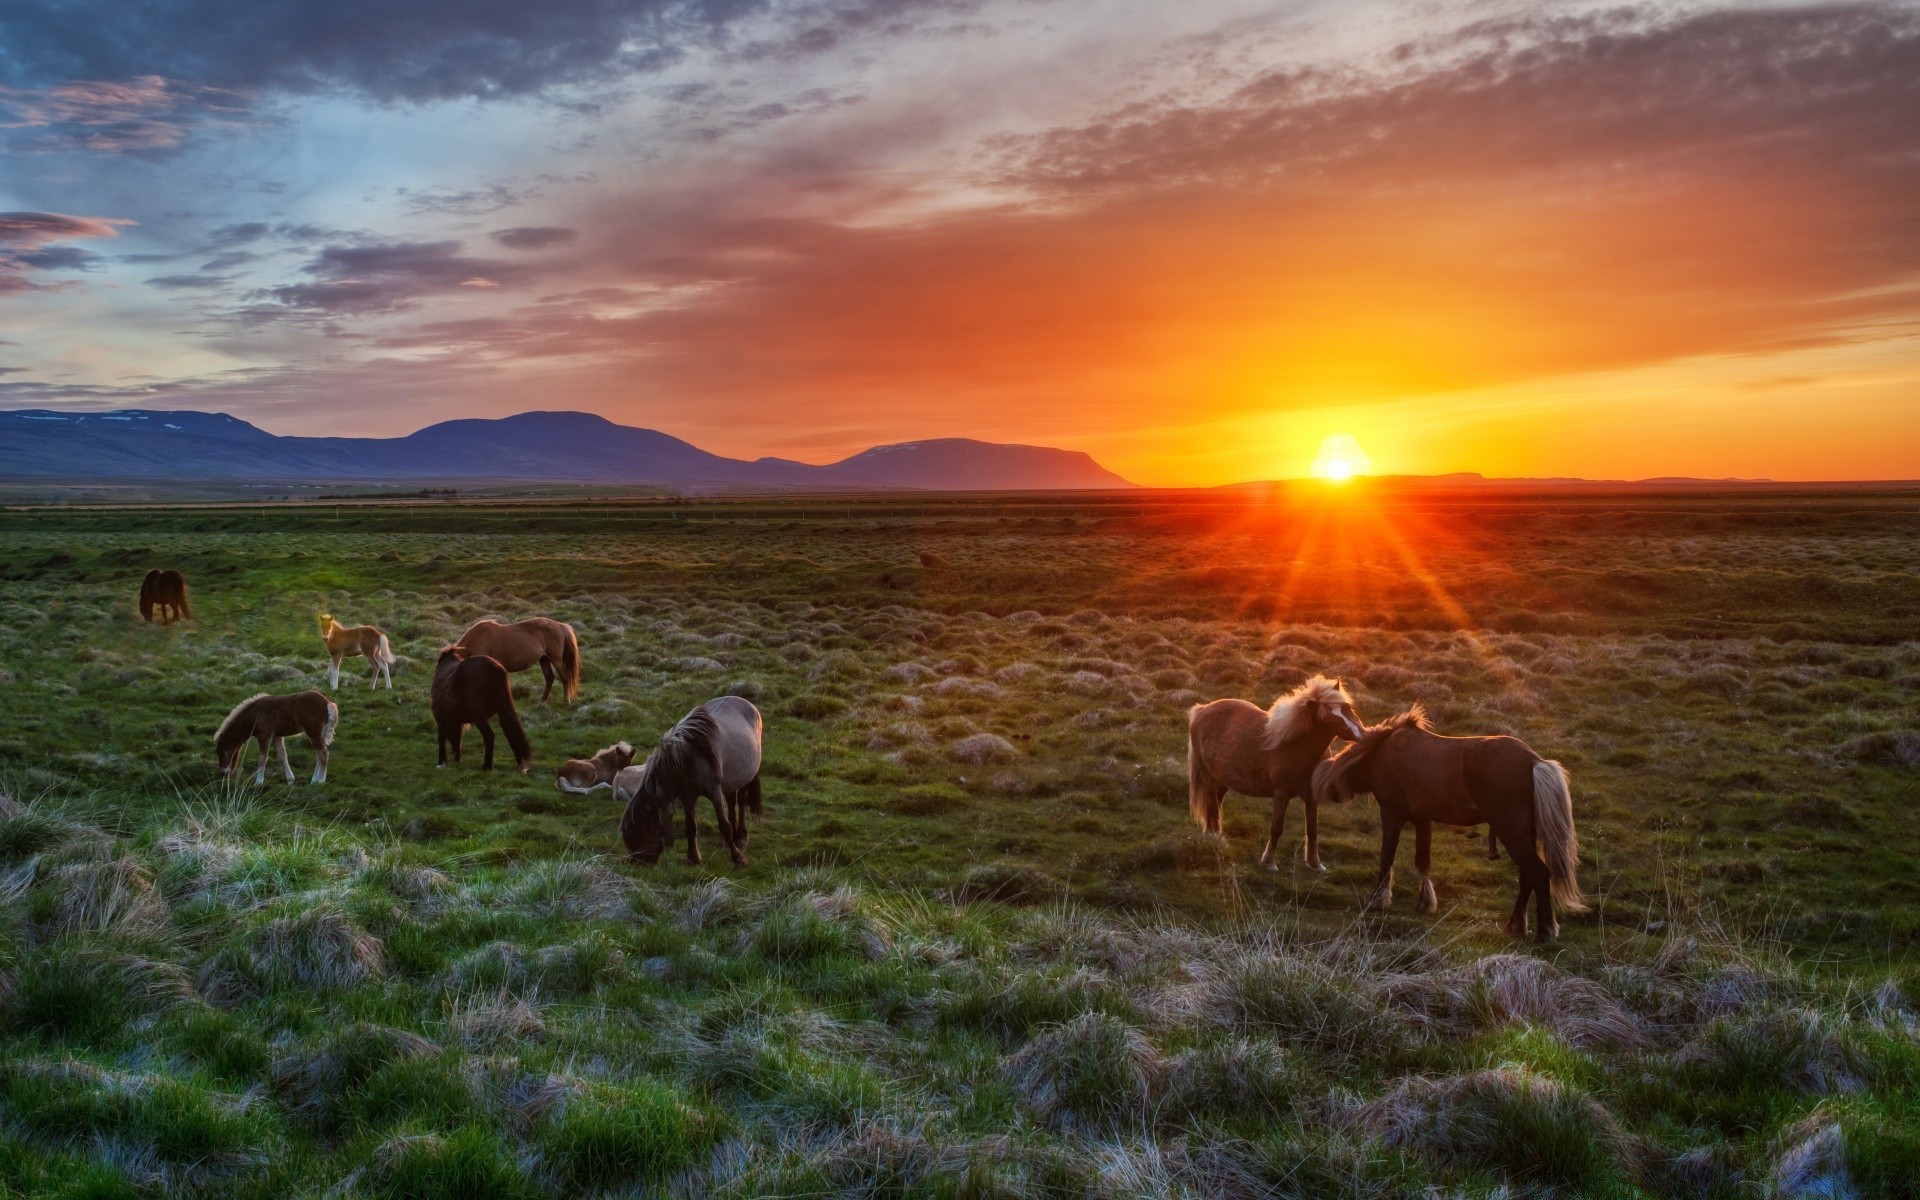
271 720
166 591
541 640
714 752
1419 776
471 690
1234 746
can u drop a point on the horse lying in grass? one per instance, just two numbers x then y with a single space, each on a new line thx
541 640
356 641
271 720
714 752
1419 776
1234 746
583 775
167 592
472 690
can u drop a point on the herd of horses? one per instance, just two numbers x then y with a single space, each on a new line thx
1280 753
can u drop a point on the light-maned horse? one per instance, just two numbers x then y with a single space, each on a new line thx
165 591
472 690
541 640
583 775
271 720
714 752
1419 776
356 641
1235 746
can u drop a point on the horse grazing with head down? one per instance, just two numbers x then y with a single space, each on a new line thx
356 641
271 720
541 640
583 775
714 752
1419 776
167 592
472 690
1234 746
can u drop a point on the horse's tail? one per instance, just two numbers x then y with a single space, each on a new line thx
186 609
1553 824
333 723
383 651
750 795
510 725
147 589
1202 802
570 661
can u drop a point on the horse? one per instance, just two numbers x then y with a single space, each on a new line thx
1234 746
471 690
1419 776
520 645
714 752
355 641
271 720
166 591
583 775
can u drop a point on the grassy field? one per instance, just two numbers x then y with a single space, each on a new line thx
980 949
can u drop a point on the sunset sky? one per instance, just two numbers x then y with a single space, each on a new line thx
1193 239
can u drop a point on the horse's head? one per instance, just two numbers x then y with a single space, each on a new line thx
1333 708
644 824
618 757
1336 781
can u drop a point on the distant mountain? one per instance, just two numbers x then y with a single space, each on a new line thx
964 465
569 447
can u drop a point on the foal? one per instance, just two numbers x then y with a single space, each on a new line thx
271 720
356 641
583 775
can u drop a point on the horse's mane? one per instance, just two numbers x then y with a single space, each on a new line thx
681 749
1292 714
1331 770
220 735
621 747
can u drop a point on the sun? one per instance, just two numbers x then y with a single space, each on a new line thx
1340 459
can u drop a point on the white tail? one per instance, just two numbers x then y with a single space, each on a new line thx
1553 824
333 722
383 652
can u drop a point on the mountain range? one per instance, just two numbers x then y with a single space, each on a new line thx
552 447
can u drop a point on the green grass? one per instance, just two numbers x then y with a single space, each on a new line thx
980 950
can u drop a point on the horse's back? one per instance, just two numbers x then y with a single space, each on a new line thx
737 739
1229 738
1500 765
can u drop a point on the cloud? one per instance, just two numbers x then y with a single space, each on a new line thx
187 282
534 237
386 277
29 243
144 114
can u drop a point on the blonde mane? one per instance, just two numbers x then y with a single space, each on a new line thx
220 734
1292 714
621 747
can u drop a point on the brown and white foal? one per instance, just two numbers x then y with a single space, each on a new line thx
583 775
271 720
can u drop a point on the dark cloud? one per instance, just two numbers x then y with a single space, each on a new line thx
236 235
187 282
142 115
534 237
386 277
30 242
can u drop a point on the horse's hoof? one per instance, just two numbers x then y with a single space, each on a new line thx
1269 865
1318 867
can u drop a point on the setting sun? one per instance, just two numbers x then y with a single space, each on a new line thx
1340 459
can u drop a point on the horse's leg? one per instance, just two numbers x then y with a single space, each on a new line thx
737 815
333 672
1493 846
321 751
726 830
1390 823
440 741
486 738
1270 854
1510 835
284 764
458 738
260 772
1310 849
546 668
693 836
1423 861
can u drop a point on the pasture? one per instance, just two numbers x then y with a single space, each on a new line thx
980 948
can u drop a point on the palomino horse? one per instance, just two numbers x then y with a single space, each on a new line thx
520 645
583 775
714 752
1234 746
356 641
1419 776
166 591
271 720
471 690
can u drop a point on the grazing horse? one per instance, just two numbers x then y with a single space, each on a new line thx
1419 776
714 752
271 720
1234 746
583 775
355 641
520 645
166 591
471 690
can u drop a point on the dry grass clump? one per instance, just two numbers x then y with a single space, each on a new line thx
815 925
981 749
571 887
1301 1001
1900 748
79 990
321 949
1010 883
1095 1072
318 1080
502 1019
116 897
1513 988
1238 1078
1803 1049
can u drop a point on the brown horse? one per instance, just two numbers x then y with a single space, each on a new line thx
1234 746
271 720
520 645
166 591
356 641
714 752
583 775
471 690
1419 776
